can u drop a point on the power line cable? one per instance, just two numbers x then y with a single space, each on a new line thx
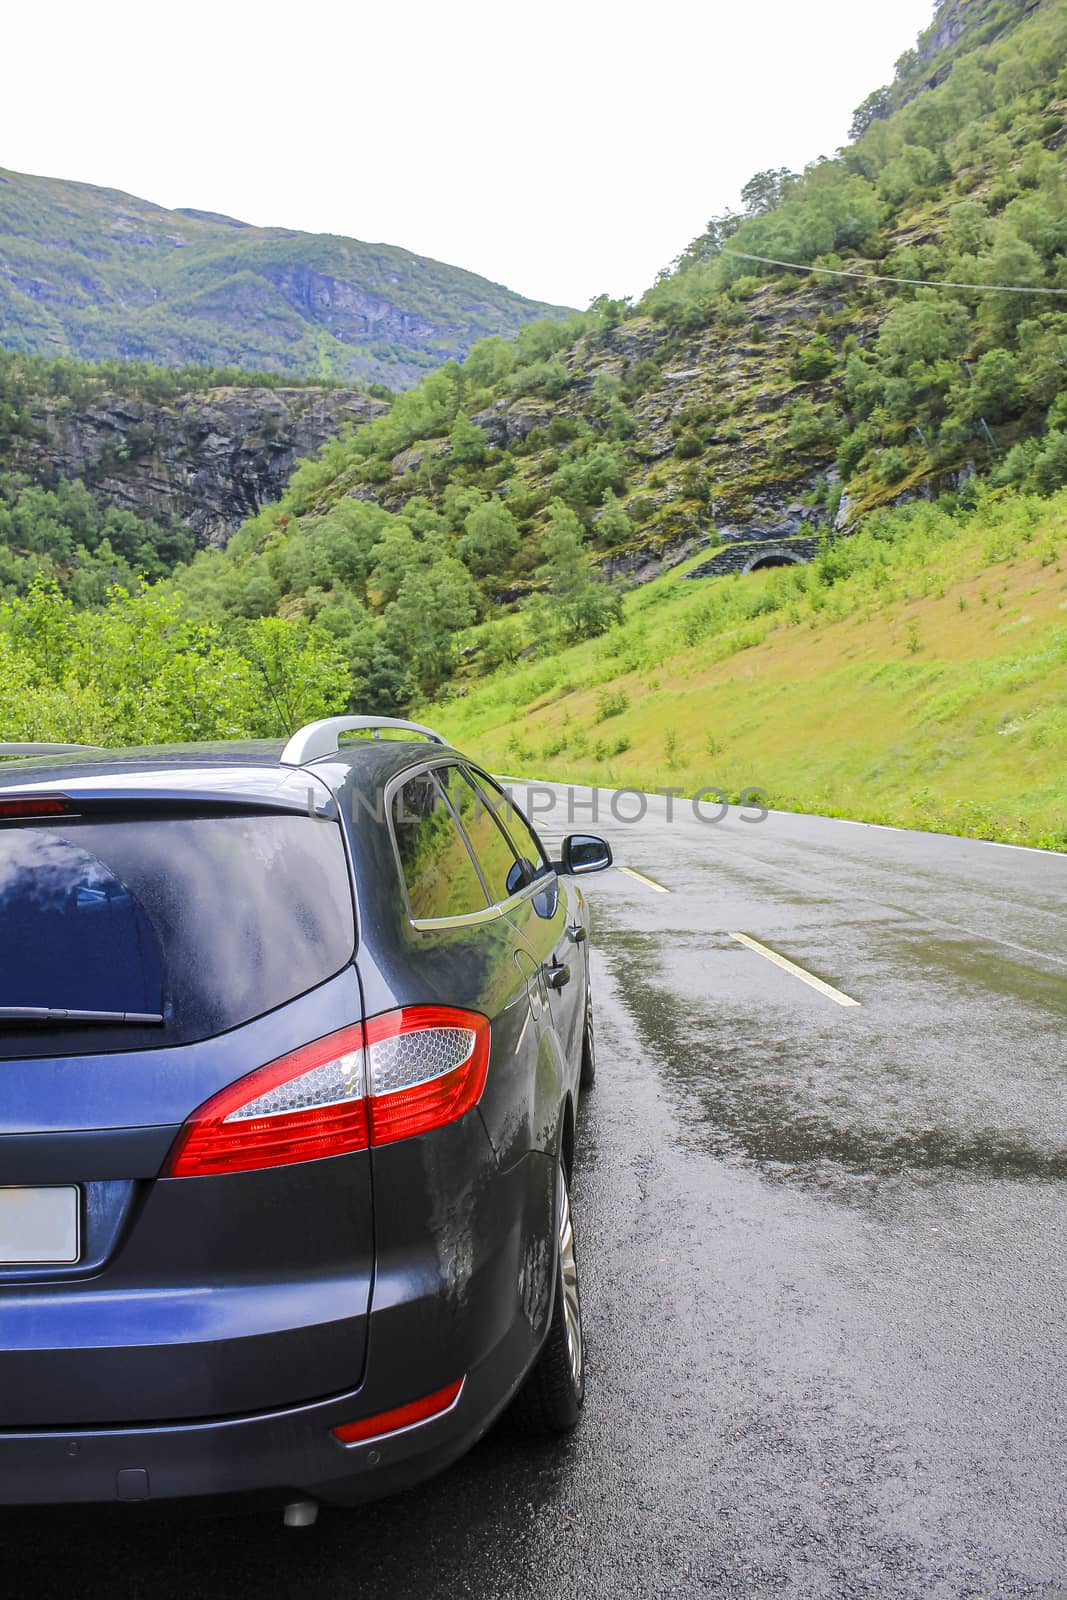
876 277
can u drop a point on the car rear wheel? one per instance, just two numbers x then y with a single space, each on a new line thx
550 1401
588 1073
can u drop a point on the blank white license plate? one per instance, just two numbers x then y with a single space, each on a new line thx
38 1226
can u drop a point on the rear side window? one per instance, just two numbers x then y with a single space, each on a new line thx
494 855
212 920
523 840
439 875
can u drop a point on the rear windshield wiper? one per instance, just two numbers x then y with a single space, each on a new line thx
54 1015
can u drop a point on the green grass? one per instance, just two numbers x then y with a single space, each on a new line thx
916 675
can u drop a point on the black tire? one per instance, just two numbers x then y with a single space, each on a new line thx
550 1401
588 1073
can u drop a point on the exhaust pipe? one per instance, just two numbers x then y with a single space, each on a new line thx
301 1514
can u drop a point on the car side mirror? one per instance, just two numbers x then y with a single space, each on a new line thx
584 852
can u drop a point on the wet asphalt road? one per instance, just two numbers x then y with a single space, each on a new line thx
823 1259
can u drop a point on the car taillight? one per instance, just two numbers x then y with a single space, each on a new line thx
307 1104
406 1072
426 1066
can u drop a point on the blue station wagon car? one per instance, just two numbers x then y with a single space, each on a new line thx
292 1042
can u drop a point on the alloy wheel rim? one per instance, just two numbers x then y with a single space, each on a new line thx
568 1272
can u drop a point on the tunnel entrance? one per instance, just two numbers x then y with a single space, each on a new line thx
774 558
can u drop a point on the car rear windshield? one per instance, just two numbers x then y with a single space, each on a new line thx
205 921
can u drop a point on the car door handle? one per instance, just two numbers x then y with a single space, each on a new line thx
576 934
557 973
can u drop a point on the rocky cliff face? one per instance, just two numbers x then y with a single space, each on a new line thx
957 26
207 460
979 20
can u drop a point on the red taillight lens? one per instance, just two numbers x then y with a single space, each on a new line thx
426 1066
37 805
406 1072
433 1405
308 1104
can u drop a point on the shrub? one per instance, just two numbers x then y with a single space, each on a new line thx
851 450
892 465
814 361
809 427
611 703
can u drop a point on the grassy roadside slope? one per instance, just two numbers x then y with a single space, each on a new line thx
915 674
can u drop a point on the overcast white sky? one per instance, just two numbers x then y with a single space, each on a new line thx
565 148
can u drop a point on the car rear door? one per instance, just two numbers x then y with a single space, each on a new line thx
547 921
458 949
539 918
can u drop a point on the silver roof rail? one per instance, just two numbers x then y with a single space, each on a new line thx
321 738
33 748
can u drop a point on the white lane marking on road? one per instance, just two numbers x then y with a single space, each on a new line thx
797 972
911 912
639 877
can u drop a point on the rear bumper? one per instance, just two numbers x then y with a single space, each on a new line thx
281 1455
473 1302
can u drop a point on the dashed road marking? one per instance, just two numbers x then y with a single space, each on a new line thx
649 883
809 978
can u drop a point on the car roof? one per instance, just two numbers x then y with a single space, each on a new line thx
238 771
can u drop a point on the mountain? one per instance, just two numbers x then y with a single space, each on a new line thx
96 275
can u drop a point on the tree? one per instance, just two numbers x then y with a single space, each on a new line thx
1013 262
490 361
1050 467
808 427
457 503
613 526
467 442
138 670
584 479
585 603
870 110
608 312
432 605
395 553
301 673
814 360
927 328
764 190
490 538
997 390
606 391
968 226
389 685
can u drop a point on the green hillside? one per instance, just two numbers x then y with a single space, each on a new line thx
914 675
97 275
738 405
